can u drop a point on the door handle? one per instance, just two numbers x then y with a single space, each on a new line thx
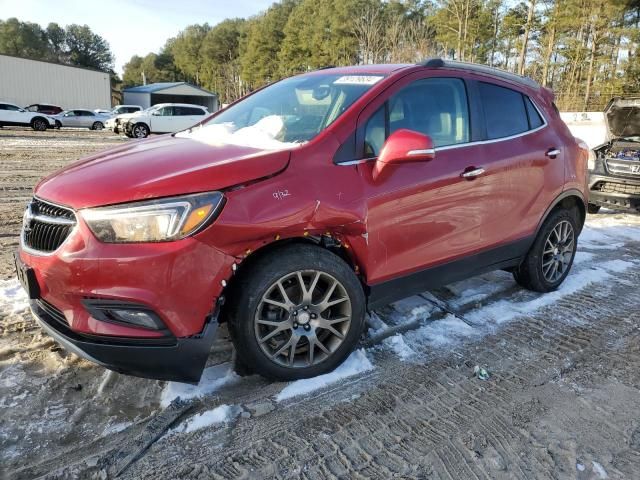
476 172
553 152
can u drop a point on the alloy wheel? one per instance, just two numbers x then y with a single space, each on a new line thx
558 251
302 318
139 131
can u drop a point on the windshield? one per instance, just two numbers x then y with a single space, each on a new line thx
287 113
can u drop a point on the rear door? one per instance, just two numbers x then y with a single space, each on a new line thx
163 120
187 117
86 118
521 176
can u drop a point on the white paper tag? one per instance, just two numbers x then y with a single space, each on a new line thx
358 80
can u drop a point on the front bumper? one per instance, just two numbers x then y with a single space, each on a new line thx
175 359
614 192
179 281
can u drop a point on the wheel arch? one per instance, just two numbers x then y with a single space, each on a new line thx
568 199
246 266
39 117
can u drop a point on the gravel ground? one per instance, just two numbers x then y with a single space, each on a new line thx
561 400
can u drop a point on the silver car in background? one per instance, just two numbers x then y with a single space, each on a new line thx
81 119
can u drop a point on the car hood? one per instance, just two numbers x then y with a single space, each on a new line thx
622 117
158 167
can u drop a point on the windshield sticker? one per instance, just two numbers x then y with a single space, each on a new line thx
358 80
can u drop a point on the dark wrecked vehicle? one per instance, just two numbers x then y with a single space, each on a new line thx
614 167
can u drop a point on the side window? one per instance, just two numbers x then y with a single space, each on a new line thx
167 111
3 106
13 108
535 120
504 111
434 106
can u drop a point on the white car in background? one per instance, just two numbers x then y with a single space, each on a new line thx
120 113
80 118
13 115
163 118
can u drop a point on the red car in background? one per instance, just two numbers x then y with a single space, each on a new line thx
44 108
293 210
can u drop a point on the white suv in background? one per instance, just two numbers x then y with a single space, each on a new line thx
13 115
162 118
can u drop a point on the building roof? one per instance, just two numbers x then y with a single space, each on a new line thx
54 63
162 86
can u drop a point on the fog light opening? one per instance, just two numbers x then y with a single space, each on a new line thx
126 314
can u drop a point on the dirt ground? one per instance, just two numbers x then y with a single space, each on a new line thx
561 400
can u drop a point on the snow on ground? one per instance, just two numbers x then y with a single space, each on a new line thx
13 298
221 414
356 363
213 378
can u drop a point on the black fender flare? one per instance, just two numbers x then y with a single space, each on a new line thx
572 192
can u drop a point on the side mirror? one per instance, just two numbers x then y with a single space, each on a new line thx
156 113
404 146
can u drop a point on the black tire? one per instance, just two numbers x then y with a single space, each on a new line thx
116 130
531 273
39 124
591 208
263 275
58 125
97 126
140 130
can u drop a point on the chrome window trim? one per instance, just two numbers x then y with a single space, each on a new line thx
472 144
40 253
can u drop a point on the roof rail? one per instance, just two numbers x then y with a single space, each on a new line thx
474 67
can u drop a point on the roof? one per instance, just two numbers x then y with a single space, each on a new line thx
159 87
474 67
382 68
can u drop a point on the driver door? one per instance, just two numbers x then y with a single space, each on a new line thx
422 214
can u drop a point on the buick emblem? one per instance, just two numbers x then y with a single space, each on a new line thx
26 219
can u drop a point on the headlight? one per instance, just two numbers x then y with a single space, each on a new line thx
591 162
159 220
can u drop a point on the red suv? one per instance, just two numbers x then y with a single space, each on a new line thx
293 210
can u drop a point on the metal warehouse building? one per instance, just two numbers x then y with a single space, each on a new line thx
24 81
176 92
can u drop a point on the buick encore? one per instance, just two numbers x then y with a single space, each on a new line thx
291 212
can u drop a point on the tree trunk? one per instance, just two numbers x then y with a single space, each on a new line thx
525 39
548 54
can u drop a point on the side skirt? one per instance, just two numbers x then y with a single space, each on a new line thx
504 256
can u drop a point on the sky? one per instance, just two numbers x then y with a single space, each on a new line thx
134 27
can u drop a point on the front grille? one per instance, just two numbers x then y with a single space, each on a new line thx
624 167
612 187
53 312
45 226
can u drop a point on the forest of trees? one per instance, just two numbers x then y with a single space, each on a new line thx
586 50
74 45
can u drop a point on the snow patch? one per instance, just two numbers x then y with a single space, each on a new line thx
356 363
616 265
221 414
212 379
399 346
260 135
115 428
440 332
599 469
13 298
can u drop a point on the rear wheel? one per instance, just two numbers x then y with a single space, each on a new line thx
549 260
39 124
140 130
591 208
298 314
97 126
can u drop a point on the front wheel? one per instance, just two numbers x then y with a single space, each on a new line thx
140 130
97 126
298 313
58 125
549 260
